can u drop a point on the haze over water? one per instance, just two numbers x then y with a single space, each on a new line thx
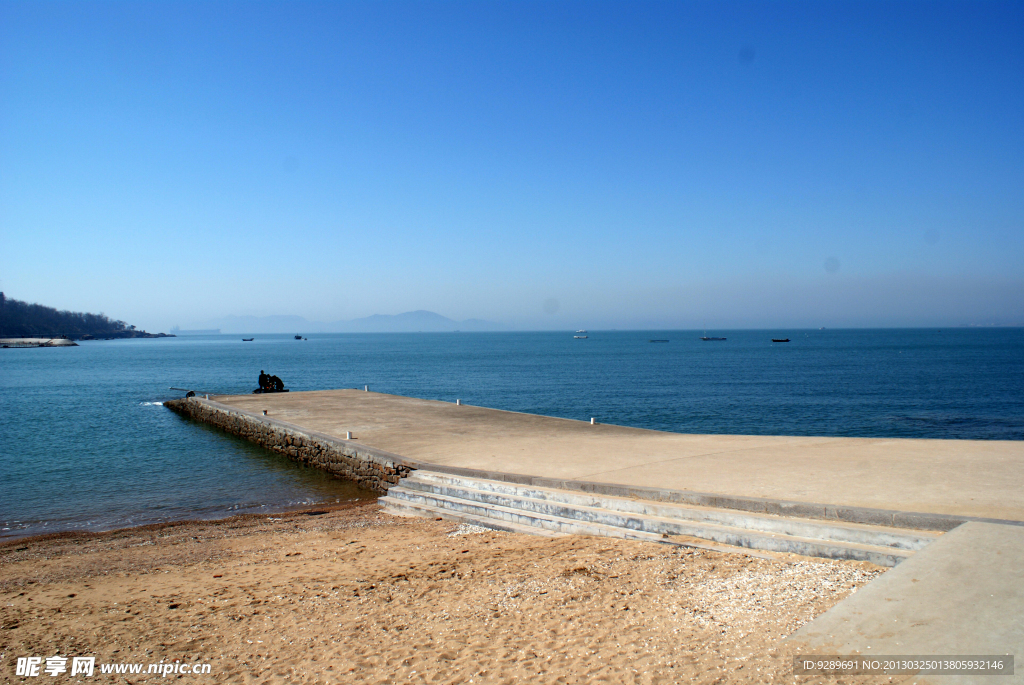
85 444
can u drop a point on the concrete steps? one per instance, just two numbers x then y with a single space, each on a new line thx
401 508
508 506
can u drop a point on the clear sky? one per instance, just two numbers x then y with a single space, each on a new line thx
539 164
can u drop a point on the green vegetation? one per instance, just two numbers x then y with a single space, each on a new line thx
23 320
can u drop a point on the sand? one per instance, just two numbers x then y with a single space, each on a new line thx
353 595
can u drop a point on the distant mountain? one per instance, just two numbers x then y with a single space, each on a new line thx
409 322
421 320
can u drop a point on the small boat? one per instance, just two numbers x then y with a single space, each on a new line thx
657 341
705 337
298 337
780 339
248 339
584 332
579 337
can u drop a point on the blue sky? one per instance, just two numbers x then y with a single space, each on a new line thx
538 164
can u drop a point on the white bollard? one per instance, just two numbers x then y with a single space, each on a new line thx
591 420
366 388
207 397
348 435
458 402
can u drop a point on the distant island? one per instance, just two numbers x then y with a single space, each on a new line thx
420 321
202 331
23 320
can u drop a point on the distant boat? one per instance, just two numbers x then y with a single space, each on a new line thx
780 339
298 337
248 339
657 341
581 331
580 337
705 337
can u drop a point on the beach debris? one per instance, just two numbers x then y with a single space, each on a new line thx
468 529
577 571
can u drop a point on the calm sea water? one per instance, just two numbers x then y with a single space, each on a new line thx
85 444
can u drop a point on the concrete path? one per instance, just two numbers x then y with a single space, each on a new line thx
961 595
974 478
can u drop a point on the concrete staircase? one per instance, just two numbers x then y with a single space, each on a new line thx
548 511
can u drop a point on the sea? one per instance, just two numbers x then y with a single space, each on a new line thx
86 444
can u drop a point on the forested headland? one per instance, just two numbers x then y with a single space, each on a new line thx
23 320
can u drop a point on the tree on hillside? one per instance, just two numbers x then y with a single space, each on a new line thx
23 320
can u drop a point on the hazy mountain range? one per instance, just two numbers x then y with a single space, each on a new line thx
409 322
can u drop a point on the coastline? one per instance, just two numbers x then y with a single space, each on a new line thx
352 594
92 422
194 518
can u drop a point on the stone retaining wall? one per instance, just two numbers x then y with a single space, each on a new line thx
372 469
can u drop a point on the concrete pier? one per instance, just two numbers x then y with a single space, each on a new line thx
886 501
37 342
962 479
961 595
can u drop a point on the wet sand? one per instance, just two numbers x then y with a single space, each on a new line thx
353 595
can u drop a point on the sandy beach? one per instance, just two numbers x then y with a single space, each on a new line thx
353 595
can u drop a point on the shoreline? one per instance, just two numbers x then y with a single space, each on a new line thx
6 540
23 343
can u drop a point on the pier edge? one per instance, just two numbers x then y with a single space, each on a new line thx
370 468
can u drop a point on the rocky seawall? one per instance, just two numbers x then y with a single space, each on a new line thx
370 468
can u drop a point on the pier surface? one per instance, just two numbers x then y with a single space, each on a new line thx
973 478
961 595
